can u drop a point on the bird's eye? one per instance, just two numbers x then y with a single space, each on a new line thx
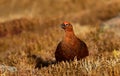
66 24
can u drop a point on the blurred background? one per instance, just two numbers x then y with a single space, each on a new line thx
91 11
29 29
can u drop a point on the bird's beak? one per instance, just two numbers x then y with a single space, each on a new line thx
63 26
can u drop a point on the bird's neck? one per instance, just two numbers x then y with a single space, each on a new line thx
69 36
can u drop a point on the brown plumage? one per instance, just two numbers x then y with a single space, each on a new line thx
70 46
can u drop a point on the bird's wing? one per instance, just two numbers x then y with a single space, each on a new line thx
83 49
82 44
58 47
58 52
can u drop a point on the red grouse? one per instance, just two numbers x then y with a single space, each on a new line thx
70 46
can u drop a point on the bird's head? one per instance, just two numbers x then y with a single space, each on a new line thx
67 26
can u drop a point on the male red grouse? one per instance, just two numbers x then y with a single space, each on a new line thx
70 46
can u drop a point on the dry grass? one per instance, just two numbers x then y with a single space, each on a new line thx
29 44
26 41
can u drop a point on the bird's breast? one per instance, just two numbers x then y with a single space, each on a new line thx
70 42
69 51
70 46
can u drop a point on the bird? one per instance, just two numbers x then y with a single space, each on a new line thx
70 46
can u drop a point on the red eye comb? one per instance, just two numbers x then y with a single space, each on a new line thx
66 22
